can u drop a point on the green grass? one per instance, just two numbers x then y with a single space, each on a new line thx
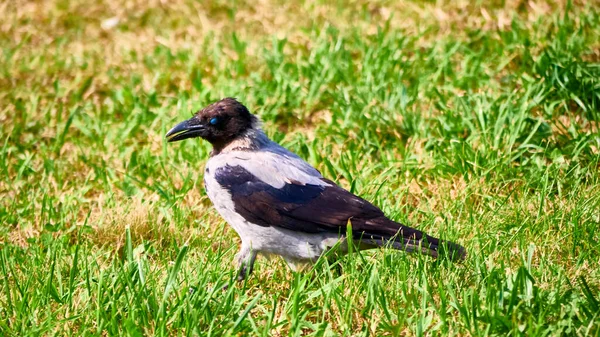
478 123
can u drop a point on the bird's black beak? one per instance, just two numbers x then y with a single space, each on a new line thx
186 129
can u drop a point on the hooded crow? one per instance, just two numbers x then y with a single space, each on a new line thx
279 204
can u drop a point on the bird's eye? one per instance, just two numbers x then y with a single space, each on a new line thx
214 121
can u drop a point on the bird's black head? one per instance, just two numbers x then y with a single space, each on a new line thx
219 123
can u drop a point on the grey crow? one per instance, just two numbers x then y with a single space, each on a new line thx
279 204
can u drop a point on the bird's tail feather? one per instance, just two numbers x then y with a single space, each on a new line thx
412 240
437 248
431 246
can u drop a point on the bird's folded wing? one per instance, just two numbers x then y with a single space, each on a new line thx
298 206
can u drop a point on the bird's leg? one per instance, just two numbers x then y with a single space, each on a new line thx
245 261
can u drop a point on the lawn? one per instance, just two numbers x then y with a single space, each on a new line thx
474 121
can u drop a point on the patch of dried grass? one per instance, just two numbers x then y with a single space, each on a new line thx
19 236
139 216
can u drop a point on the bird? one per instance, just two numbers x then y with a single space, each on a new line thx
279 204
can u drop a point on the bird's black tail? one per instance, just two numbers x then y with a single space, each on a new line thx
411 240
431 246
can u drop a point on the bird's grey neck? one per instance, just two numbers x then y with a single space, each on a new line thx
250 140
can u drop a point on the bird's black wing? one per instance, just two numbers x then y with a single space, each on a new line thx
312 208
304 207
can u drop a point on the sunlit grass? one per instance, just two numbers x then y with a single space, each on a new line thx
474 122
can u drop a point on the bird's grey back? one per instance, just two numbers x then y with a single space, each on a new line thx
270 162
